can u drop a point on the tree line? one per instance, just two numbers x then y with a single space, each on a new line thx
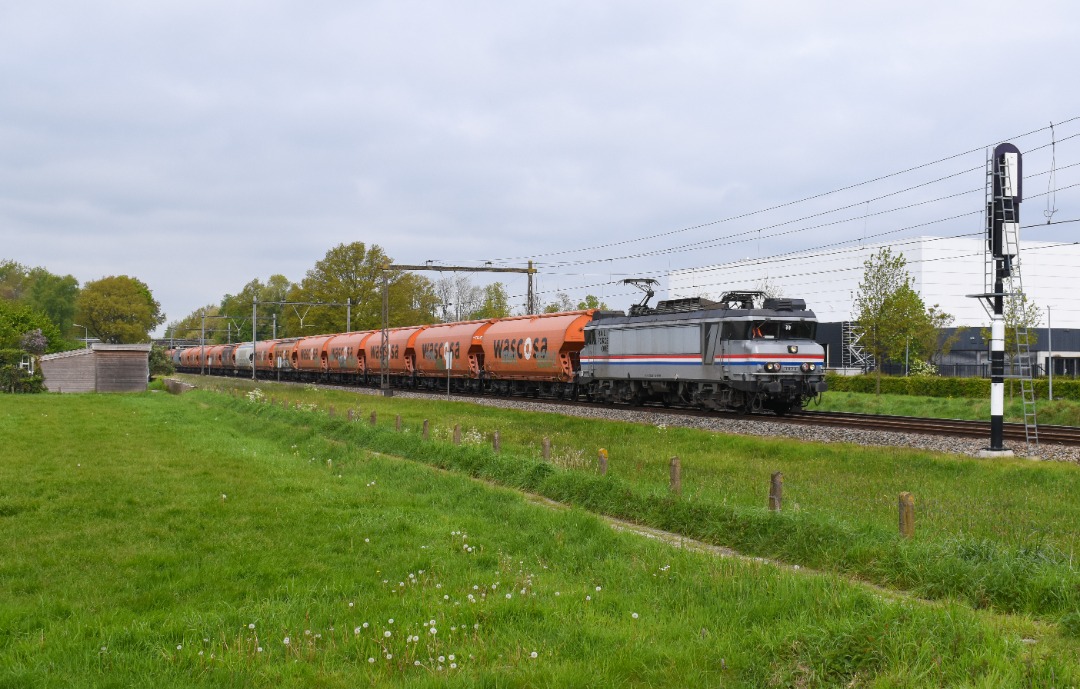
343 291
115 309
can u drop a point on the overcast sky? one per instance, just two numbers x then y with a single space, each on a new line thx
198 145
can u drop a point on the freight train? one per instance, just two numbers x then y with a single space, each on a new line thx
746 352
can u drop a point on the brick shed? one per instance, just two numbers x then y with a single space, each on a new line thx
102 368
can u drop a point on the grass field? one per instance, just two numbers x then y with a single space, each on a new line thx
153 540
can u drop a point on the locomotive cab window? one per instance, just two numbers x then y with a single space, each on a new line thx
769 330
782 330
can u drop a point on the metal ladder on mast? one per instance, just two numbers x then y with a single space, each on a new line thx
854 356
1021 365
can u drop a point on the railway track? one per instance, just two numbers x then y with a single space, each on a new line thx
1059 435
1013 432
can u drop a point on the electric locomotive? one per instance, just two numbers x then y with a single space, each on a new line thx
746 352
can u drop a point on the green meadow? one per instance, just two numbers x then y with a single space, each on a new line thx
211 540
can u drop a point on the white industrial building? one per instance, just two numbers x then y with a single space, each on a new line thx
944 271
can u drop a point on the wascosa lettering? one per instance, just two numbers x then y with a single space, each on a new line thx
377 351
436 351
517 349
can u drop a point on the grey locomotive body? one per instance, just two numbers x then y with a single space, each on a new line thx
711 355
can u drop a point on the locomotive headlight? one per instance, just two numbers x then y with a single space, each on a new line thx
772 367
807 368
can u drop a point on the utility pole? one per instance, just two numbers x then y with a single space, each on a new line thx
1050 353
384 356
254 332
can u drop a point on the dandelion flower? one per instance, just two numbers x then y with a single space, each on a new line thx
416 663
179 647
634 615
597 588
588 597
508 596
453 666
433 631
389 656
286 641
250 626
259 650
451 656
442 659
351 604
556 593
371 660
365 625
533 654
386 633
391 620
356 631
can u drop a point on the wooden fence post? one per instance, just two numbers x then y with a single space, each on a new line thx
425 429
602 461
457 433
545 449
907 515
676 476
496 443
374 417
397 423
776 491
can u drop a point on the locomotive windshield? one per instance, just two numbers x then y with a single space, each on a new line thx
769 330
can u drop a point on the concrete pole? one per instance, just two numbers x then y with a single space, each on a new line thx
1050 353
254 333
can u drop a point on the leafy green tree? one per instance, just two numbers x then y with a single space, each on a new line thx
190 327
496 303
53 295
592 302
355 272
931 344
561 304
160 364
118 309
18 320
1020 315
888 311
14 279
236 310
